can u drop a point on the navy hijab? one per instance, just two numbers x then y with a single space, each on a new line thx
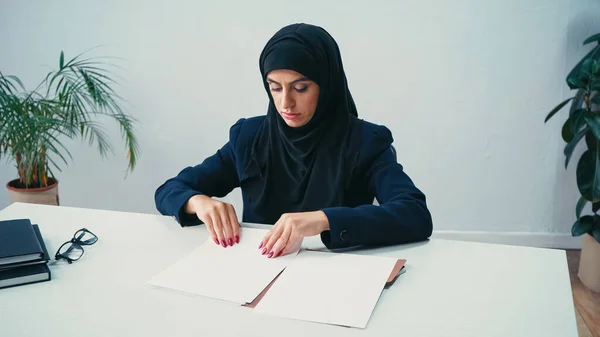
305 168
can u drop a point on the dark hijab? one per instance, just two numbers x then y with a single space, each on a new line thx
305 168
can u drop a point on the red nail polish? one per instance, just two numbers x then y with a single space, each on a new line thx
260 246
223 243
271 254
237 239
217 241
230 241
264 251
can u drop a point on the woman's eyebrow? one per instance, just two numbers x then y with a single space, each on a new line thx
301 79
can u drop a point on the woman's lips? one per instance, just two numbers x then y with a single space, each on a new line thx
290 116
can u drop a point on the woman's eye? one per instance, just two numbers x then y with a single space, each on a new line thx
303 89
276 89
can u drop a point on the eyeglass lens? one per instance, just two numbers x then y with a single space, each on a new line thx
85 237
72 251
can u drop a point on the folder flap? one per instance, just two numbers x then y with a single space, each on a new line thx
224 265
393 275
399 265
262 294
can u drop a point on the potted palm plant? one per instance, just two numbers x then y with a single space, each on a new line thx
583 122
67 104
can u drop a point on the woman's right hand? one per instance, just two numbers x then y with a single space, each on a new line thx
219 217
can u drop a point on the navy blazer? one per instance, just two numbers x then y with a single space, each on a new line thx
402 215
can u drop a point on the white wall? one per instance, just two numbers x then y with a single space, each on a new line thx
463 85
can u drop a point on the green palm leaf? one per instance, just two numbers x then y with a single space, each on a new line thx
67 104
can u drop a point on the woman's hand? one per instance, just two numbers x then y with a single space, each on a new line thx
219 217
290 229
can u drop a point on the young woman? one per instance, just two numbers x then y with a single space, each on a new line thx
309 166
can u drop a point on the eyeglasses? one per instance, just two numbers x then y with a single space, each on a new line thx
72 250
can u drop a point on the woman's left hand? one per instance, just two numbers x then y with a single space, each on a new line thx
289 231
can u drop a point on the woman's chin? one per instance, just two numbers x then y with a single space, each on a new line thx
294 124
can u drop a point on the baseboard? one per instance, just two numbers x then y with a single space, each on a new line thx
542 240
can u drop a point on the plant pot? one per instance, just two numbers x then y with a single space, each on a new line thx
42 195
589 263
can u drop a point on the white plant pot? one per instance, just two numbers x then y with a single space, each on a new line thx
589 263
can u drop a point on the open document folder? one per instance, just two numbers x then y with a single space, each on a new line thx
236 274
324 287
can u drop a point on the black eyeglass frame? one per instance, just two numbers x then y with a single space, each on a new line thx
76 242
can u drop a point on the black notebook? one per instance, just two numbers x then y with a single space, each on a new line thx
32 273
19 243
27 272
45 257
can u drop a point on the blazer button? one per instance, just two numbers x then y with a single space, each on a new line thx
343 235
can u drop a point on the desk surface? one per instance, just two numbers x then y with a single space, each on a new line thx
451 288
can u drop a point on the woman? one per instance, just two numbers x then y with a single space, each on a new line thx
308 167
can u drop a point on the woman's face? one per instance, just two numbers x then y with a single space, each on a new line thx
294 95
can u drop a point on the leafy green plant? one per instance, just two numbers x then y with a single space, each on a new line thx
67 103
584 123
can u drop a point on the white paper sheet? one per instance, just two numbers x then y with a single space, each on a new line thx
332 288
237 274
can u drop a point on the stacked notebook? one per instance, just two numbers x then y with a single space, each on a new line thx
23 255
316 286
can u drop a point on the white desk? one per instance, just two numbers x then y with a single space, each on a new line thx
450 288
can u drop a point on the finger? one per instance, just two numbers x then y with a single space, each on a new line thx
267 236
211 231
265 239
294 244
277 231
290 242
227 232
235 225
281 243
218 227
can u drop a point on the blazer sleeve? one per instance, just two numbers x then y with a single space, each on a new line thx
402 215
216 176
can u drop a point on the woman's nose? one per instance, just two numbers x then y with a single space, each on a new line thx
287 101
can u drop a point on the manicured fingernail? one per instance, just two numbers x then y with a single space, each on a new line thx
264 251
260 246
271 254
237 239
216 241
230 241
223 243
